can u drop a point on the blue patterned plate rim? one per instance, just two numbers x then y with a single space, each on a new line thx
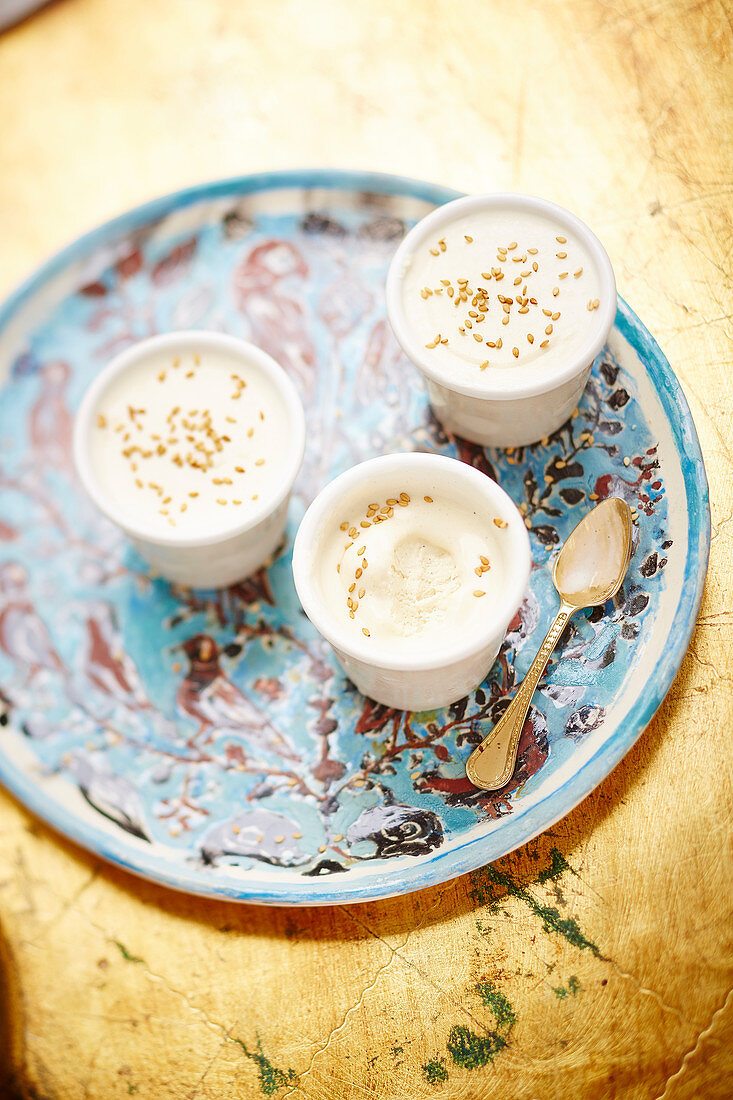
518 828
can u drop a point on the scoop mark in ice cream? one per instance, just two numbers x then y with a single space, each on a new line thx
422 587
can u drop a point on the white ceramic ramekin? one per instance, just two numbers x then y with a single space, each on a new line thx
419 681
506 406
208 560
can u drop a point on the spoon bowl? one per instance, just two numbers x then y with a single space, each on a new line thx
593 561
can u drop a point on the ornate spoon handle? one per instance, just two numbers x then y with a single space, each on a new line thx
491 763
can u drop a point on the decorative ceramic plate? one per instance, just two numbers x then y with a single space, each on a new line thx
353 801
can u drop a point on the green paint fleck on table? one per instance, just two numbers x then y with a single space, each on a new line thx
494 999
435 1071
126 954
271 1078
558 865
484 880
573 987
470 1050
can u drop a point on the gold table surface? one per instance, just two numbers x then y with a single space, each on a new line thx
110 986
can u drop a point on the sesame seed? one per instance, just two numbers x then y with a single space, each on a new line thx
511 246
578 273
362 593
176 362
627 461
555 291
498 522
478 337
505 319
220 500
515 352
259 462
535 266
530 338
101 421
255 496
364 523
467 238
364 563
544 343
434 252
478 592
483 366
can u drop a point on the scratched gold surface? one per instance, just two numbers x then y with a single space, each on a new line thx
602 967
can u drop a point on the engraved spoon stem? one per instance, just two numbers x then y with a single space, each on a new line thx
491 764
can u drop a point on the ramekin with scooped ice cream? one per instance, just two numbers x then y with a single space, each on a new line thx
412 566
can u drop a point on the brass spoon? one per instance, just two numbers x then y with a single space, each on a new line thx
588 570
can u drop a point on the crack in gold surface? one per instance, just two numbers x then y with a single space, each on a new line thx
706 1031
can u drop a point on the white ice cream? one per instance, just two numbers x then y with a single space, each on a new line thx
417 578
526 286
189 444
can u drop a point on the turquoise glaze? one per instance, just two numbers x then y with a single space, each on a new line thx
293 789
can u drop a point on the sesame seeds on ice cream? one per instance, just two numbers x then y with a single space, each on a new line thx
500 288
189 442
